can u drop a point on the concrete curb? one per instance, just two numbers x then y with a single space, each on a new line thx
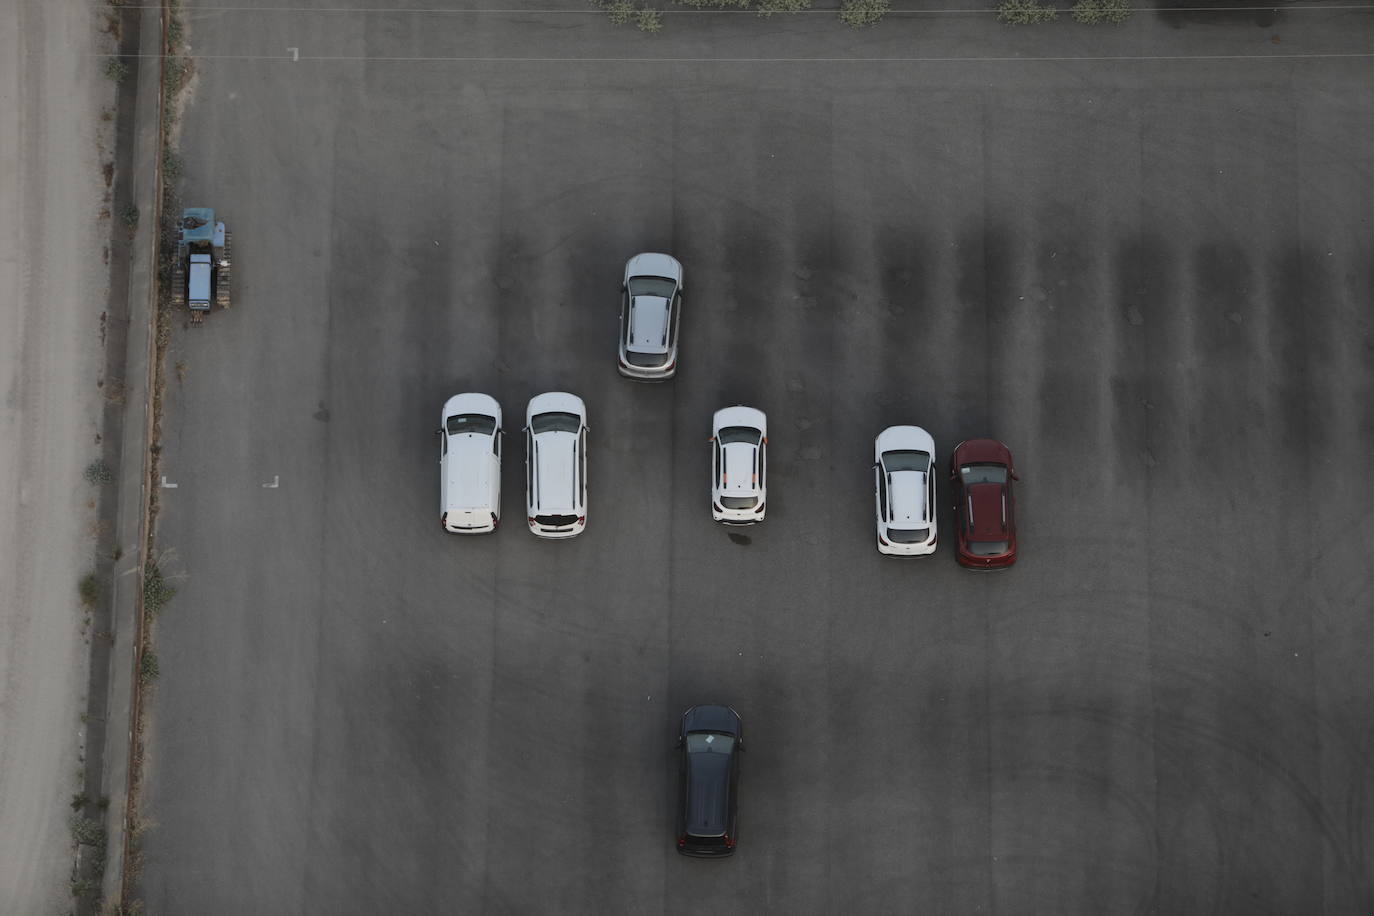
135 461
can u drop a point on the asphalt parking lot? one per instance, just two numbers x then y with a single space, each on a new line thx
1150 278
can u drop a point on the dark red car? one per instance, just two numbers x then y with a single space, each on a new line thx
981 472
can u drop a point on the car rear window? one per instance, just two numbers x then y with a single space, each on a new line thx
644 360
738 502
555 521
907 535
983 473
988 548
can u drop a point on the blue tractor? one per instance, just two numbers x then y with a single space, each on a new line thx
200 273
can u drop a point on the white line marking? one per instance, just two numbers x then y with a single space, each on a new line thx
295 53
166 485
276 482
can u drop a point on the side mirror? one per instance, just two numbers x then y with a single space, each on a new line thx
1015 476
439 431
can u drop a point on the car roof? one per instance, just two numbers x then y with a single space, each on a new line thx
739 467
708 793
982 450
555 402
986 523
896 438
909 509
555 482
651 264
472 402
739 415
649 324
469 468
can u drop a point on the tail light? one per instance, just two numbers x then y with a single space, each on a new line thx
531 519
759 508
582 519
443 519
729 842
670 367
884 541
682 841
494 520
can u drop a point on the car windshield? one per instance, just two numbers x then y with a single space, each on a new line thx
988 548
983 473
907 535
651 286
555 423
709 743
738 434
476 423
738 502
906 461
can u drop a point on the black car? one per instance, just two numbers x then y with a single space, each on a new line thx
709 746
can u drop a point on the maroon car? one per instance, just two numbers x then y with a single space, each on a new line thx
981 472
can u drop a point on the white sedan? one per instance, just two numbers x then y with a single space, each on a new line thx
904 491
739 462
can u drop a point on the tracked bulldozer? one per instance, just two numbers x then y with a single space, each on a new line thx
200 272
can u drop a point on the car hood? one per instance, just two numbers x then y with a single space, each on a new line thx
720 719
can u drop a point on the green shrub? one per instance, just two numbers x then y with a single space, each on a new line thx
148 667
98 471
650 21
1025 12
89 588
859 13
87 832
1095 11
116 70
156 590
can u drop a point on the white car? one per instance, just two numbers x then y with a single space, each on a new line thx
650 309
739 463
470 464
904 491
556 465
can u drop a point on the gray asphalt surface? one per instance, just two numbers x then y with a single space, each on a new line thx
1151 278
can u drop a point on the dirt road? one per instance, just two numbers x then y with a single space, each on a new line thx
53 281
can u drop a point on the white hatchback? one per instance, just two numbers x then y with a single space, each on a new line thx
470 464
739 465
556 465
904 491
650 309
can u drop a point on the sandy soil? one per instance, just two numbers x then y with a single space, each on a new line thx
53 285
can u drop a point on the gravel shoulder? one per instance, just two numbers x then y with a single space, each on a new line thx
52 289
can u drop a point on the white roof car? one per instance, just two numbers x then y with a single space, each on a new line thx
904 491
556 465
470 464
739 459
650 309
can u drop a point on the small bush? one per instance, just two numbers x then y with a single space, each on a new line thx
171 166
89 588
769 7
1095 11
1025 12
98 472
156 590
130 216
79 801
650 21
859 13
116 70
87 832
147 667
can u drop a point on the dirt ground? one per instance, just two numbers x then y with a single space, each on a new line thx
54 226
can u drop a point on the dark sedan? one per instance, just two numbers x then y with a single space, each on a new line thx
709 746
981 474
